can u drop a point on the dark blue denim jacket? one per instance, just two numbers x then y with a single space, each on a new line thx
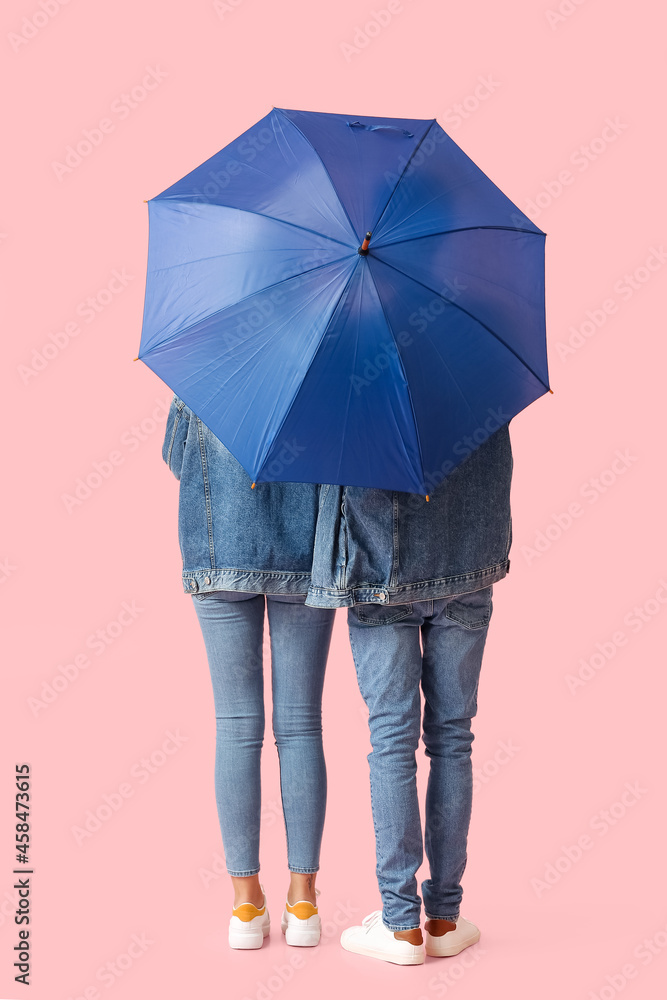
341 545
383 547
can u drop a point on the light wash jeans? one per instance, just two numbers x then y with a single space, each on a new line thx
390 668
233 625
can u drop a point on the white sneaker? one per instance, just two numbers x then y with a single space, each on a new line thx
301 923
249 925
451 942
372 938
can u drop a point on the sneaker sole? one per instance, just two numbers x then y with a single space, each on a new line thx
255 939
394 959
301 937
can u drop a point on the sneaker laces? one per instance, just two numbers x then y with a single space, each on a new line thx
371 920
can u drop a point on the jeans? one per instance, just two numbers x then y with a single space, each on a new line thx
233 627
390 668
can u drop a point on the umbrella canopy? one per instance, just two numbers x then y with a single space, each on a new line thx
345 300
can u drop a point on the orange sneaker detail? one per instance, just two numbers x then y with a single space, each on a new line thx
247 912
303 909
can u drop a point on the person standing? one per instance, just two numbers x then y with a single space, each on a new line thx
418 573
245 550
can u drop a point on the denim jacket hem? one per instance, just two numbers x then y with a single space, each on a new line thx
247 581
427 590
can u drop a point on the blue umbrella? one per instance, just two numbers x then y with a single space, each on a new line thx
345 300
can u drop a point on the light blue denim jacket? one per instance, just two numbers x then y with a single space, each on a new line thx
340 545
233 537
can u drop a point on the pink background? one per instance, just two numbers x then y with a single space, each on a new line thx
552 83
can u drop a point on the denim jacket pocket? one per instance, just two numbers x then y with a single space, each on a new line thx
378 614
471 610
175 435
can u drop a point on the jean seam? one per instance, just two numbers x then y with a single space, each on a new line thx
282 804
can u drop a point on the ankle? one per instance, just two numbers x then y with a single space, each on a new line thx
302 886
413 936
436 928
248 890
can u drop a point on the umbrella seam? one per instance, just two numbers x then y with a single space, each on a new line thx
393 192
230 253
407 384
257 291
461 229
324 166
481 323
263 215
305 374
459 270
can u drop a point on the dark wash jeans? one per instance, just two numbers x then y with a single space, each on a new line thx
390 669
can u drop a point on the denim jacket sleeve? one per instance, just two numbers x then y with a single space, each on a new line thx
175 435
